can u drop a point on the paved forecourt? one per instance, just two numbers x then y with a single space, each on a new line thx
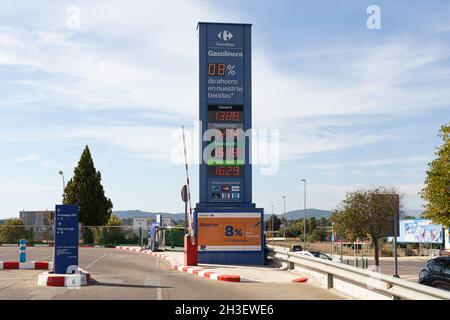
119 274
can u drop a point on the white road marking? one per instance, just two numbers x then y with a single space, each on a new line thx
41 259
158 293
95 261
157 284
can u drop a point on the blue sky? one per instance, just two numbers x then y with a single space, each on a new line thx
354 107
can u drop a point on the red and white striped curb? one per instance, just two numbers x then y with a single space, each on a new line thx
64 280
30 265
137 249
190 269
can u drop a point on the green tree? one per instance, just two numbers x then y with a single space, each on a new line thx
12 231
115 234
86 191
364 213
88 237
437 183
276 223
311 225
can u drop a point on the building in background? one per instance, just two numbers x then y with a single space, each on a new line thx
39 223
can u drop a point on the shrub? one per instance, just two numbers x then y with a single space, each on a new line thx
12 231
386 251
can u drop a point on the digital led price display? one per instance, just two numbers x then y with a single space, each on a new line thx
216 69
225 114
226 171
230 152
228 116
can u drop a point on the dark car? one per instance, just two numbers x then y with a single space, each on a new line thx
436 273
295 248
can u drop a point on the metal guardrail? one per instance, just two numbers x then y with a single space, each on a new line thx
368 280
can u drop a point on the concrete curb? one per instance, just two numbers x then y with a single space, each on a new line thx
30 265
64 280
198 271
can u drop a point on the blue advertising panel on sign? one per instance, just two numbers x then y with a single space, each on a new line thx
420 231
66 238
225 59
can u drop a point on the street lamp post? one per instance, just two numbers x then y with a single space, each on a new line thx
273 216
304 219
285 221
64 184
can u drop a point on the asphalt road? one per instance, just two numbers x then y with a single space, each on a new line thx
126 275
408 268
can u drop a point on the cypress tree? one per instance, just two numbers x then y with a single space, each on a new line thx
86 191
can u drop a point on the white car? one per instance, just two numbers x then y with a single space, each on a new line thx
315 254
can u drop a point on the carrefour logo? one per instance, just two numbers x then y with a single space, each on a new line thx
225 35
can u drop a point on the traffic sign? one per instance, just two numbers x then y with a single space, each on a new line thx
184 193
140 223
65 257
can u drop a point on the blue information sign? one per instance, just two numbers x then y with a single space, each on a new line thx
66 238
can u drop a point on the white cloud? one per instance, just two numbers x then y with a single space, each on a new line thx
135 59
27 158
125 58
374 163
389 161
130 56
299 142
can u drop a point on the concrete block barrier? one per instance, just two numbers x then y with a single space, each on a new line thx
30 265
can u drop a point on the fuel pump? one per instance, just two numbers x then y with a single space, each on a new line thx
154 238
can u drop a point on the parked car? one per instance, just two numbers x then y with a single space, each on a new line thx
296 248
436 273
316 254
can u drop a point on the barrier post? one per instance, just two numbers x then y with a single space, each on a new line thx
190 251
22 250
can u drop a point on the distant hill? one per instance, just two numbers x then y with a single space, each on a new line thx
127 214
299 214
414 213
290 215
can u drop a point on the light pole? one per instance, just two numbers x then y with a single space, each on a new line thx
284 219
304 219
273 216
64 184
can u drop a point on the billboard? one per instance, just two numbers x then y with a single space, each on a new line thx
139 223
420 231
229 231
